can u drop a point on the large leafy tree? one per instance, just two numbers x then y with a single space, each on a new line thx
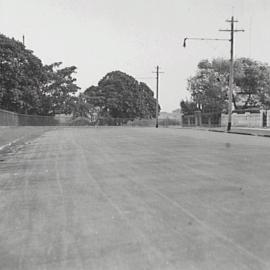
58 92
252 79
209 86
21 77
147 102
27 86
119 95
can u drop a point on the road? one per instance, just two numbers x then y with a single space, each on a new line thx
136 198
19 134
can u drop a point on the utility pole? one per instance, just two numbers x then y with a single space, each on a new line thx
23 38
230 92
157 88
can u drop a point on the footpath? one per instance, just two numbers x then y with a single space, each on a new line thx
263 132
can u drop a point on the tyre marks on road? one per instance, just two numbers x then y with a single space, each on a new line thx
58 186
209 229
67 231
154 256
16 214
34 180
228 242
159 260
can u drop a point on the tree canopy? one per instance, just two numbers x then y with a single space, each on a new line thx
119 95
20 77
58 92
27 86
209 86
82 108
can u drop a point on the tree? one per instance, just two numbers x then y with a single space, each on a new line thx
188 107
119 95
20 78
147 102
82 108
29 87
208 88
58 92
252 79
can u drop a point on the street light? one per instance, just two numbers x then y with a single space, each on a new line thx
211 39
230 92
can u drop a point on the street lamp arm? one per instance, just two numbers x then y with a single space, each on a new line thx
213 39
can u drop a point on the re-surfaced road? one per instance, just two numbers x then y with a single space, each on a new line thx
136 198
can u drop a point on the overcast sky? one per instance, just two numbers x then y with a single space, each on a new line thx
99 36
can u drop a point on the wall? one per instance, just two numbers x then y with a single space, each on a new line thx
246 119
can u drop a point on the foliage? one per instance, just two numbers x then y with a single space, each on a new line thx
119 95
209 86
29 87
147 102
208 89
252 79
58 92
188 107
82 108
20 78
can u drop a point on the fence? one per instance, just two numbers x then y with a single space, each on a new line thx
8 118
260 118
256 118
14 119
202 119
166 122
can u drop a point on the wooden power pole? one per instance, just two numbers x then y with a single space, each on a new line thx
230 92
157 89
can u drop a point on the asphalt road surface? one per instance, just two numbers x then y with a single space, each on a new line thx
18 135
136 198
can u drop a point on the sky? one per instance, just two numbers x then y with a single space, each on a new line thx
100 36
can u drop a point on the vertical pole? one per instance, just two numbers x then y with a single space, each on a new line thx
23 40
230 94
157 97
